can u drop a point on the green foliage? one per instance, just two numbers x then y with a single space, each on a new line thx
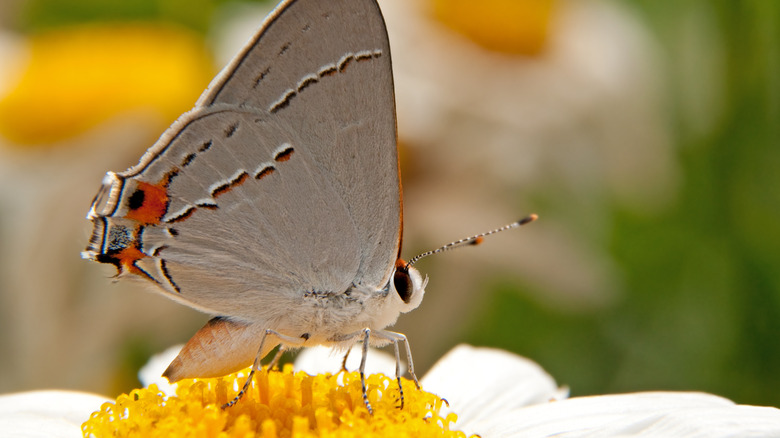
701 305
39 14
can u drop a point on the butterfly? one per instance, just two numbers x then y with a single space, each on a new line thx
275 203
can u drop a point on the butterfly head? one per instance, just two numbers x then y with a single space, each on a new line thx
409 285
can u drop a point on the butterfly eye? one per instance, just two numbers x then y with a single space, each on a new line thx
403 284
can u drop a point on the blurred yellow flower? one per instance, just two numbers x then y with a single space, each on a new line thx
282 403
509 26
81 76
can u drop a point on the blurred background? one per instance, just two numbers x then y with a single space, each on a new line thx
646 135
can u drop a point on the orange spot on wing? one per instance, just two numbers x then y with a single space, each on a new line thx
265 172
229 186
284 155
155 203
127 258
184 216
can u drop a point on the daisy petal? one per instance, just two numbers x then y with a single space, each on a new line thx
479 383
320 359
152 372
649 414
50 414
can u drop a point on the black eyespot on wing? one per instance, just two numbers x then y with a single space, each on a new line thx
136 200
110 259
403 284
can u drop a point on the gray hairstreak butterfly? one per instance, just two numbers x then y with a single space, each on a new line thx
275 203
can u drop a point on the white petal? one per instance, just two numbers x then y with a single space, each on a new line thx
50 414
479 383
649 414
153 370
320 359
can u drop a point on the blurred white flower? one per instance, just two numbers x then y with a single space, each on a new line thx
488 136
60 131
46 414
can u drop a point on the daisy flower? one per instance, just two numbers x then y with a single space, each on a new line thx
489 392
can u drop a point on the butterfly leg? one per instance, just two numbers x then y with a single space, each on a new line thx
256 366
365 334
344 361
276 357
392 337
395 338
366 338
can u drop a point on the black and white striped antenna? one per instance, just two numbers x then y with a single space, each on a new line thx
473 240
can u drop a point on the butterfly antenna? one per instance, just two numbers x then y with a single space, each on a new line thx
473 240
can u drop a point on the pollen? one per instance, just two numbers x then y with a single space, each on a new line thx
277 404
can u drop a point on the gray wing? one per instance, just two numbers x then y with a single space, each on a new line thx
326 65
283 179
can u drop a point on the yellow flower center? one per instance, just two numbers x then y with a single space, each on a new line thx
277 404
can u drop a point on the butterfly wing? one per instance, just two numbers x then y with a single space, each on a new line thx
341 95
283 179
